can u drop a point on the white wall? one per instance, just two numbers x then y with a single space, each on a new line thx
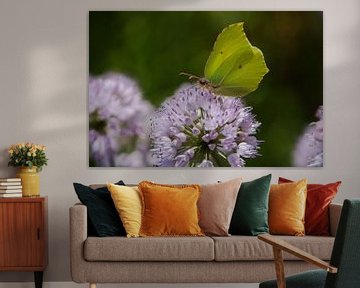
43 84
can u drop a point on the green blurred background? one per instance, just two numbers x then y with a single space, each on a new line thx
154 47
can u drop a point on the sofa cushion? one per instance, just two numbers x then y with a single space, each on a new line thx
149 249
102 216
169 210
127 201
216 206
243 248
287 204
250 215
318 199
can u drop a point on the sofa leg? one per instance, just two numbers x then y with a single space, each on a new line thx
92 285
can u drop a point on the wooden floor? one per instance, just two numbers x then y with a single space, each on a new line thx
74 285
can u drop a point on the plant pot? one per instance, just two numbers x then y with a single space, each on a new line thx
30 181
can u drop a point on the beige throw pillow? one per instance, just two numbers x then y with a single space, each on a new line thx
216 206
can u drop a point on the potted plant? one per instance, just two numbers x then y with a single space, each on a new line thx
30 158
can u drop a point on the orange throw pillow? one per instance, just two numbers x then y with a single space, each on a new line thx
319 197
169 210
287 204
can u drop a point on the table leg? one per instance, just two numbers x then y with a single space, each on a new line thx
38 279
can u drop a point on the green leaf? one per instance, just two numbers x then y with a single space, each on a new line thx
235 67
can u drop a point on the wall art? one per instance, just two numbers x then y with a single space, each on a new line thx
205 89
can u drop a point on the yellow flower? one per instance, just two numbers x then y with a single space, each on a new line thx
41 147
27 152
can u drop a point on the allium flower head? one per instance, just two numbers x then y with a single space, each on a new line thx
199 129
309 148
117 118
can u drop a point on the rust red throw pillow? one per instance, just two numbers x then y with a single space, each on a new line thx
319 197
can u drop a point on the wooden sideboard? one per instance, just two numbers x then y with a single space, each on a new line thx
23 235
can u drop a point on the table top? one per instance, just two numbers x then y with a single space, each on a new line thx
23 199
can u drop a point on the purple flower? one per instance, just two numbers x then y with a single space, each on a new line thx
197 128
309 148
117 121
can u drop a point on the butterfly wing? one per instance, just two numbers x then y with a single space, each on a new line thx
245 76
235 67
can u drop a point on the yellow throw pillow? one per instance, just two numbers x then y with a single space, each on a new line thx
287 204
169 210
127 201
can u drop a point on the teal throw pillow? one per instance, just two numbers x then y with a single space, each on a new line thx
250 216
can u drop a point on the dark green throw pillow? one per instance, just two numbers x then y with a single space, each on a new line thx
250 216
103 218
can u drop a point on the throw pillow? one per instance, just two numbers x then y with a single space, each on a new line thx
287 204
102 215
319 197
169 210
127 201
250 215
216 206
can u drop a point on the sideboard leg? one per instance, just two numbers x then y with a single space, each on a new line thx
92 285
38 279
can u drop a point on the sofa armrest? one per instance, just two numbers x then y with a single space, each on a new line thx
78 235
334 217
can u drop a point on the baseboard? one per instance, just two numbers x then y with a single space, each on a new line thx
74 285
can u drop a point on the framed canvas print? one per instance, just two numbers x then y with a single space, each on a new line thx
205 89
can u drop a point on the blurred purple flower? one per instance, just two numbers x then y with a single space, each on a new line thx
117 121
309 148
101 148
199 129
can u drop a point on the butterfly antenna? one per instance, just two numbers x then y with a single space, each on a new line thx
190 76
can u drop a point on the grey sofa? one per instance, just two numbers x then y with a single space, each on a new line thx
234 259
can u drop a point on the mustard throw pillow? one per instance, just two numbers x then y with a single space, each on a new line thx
169 210
287 204
127 201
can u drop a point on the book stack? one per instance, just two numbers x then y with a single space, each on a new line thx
10 187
